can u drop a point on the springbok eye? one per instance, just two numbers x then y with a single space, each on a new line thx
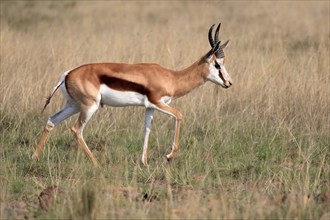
217 66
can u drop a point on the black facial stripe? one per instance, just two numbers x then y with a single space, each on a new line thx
218 67
220 75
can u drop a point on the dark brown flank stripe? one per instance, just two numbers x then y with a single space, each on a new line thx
123 85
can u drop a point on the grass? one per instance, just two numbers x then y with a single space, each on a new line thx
257 150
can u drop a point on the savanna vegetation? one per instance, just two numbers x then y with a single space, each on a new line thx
257 150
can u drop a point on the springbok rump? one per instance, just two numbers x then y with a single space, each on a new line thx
150 85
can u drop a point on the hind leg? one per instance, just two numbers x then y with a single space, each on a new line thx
85 114
67 111
147 130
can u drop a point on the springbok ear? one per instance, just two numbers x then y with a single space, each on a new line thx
223 46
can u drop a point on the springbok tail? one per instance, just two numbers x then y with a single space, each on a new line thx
62 80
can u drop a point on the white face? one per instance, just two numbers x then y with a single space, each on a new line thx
218 73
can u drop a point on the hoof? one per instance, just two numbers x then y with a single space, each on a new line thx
144 161
168 158
34 157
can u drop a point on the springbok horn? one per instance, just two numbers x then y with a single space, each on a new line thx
216 35
212 43
214 50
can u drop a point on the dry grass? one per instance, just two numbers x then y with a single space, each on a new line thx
257 150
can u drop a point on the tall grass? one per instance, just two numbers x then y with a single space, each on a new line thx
257 150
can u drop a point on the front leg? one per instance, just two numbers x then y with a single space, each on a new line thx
175 145
178 118
147 129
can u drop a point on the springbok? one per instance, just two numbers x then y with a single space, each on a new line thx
150 85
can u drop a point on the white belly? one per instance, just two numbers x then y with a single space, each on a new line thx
122 98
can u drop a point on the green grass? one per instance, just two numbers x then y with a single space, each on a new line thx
260 171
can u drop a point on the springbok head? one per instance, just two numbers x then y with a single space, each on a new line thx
216 60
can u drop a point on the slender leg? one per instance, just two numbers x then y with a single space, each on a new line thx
178 118
54 120
85 114
48 127
175 145
147 129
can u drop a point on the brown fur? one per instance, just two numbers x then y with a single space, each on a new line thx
83 83
83 86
